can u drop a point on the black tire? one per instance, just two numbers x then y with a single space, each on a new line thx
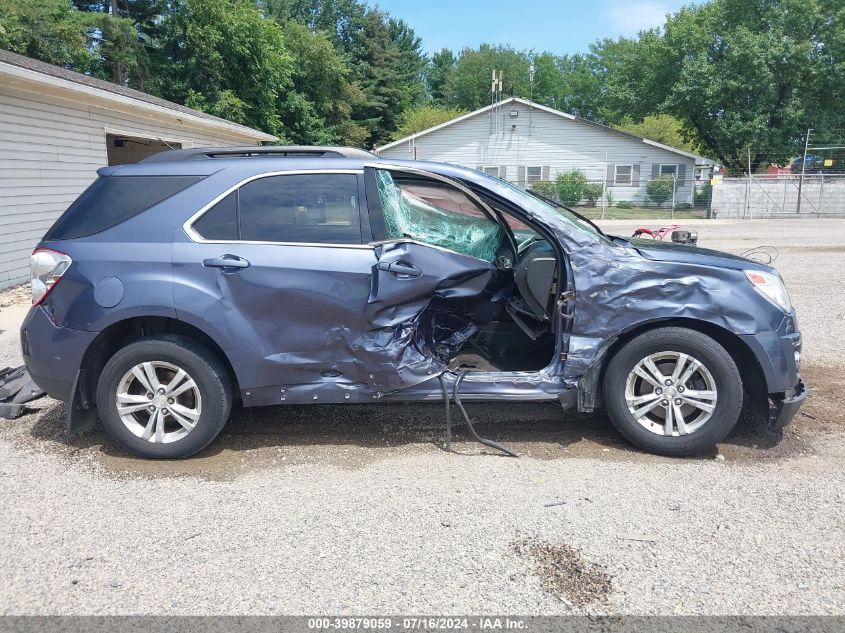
203 366
703 348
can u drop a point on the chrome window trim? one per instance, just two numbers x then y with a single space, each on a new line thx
199 239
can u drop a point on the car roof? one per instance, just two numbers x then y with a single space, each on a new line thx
251 161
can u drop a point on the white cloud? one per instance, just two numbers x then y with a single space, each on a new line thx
628 17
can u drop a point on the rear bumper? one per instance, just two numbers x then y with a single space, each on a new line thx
52 354
782 410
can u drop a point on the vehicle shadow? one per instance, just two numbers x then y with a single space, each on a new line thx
351 436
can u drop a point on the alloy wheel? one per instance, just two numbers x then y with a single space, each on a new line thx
158 402
671 393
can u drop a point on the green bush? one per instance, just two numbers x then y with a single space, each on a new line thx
624 204
545 189
570 186
592 192
608 196
660 189
683 205
702 195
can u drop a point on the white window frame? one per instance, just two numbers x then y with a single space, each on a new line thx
616 180
496 167
673 173
529 177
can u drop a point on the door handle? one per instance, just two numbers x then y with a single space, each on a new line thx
226 261
397 268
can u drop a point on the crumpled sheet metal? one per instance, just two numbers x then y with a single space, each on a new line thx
617 289
396 333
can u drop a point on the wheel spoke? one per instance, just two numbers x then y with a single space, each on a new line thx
689 371
129 403
151 424
139 373
184 416
679 420
668 422
639 413
159 416
679 366
704 406
637 400
655 372
174 382
647 370
188 384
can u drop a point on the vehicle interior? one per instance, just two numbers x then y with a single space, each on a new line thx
510 327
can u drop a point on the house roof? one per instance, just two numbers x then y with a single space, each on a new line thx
701 160
35 70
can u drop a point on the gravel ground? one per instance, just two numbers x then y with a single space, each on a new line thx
357 509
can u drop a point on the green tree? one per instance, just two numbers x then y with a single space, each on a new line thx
737 74
663 128
570 186
423 117
388 69
660 189
469 85
224 57
325 97
438 72
49 30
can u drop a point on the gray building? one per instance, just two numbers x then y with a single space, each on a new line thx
57 127
524 142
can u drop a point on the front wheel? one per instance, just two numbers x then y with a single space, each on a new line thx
164 397
673 391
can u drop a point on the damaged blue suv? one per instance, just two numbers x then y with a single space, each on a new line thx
172 287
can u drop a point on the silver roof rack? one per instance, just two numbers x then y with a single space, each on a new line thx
250 151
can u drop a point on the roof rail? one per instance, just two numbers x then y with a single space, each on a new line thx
256 150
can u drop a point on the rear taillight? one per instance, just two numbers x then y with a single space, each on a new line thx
46 267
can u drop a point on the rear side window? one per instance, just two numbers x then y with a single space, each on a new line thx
301 208
111 200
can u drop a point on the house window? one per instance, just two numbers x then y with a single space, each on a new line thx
492 171
533 174
623 175
668 170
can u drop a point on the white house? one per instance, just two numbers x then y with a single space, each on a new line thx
57 127
525 142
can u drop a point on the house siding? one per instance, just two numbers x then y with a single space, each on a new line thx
50 149
552 142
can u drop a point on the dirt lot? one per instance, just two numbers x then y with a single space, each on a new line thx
357 509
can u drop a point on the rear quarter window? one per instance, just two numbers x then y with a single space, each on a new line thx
111 200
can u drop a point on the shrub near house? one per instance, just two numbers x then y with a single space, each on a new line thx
570 186
659 190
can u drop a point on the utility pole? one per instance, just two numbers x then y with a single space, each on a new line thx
803 170
604 185
748 188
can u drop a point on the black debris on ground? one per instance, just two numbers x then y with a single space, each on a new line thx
16 389
563 571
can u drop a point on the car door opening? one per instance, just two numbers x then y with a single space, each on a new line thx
484 298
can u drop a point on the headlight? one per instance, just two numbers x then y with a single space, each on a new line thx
770 286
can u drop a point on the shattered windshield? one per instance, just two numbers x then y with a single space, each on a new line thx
438 214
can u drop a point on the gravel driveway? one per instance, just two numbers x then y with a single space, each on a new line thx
358 510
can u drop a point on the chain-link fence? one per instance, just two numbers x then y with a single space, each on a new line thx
658 198
781 195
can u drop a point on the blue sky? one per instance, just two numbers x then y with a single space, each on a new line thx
562 26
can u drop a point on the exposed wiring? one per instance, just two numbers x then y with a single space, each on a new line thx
763 254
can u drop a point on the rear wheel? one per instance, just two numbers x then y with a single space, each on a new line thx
673 391
164 397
